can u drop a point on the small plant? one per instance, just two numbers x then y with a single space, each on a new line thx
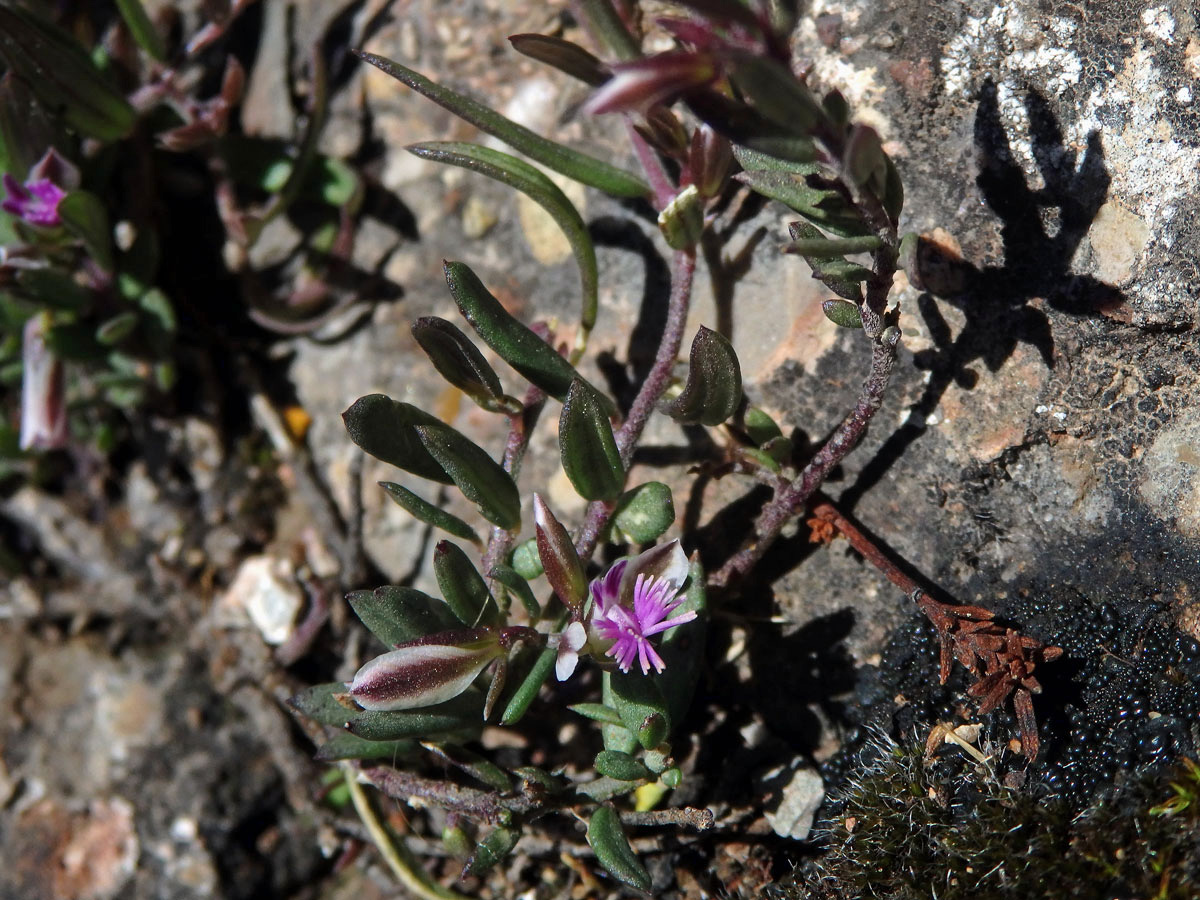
100 145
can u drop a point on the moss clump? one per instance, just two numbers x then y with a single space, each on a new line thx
902 831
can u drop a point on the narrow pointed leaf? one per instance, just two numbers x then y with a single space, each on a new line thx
713 390
62 76
587 447
597 712
826 248
386 429
397 615
893 191
774 92
349 746
465 590
482 480
798 185
839 275
562 55
578 166
528 180
84 216
474 765
842 312
645 512
459 361
516 344
641 705
560 562
116 329
613 851
142 29
462 715
492 850
527 688
320 704
621 766
430 514
516 584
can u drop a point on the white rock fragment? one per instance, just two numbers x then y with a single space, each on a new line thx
265 590
802 797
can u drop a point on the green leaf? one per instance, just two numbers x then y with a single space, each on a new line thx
644 513
493 849
826 248
516 584
777 94
397 615
804 187
525 178
320 704
578 166
349 746
62 75
759 426
600 18
459 361
54 289
597 712
682 649
430 514
525 560
842 312
641 705
562 55
84 216
386 429
473 764
516 344
586 445
482 480
893 190
613 850
713 390
462 715
116 329
465 590
528 687
142 29
839 275
621 766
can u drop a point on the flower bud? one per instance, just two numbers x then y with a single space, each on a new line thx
43 391
427 671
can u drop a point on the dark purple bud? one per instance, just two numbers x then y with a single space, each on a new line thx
425 672
643 83
709 159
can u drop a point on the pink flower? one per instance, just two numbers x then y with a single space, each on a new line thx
36 201
626 617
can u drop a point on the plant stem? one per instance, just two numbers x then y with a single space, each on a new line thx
660 182
520 427
406 869
827 512
790 499
648 395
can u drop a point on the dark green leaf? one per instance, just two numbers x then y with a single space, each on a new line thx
349 746
84 216
578 166
893 190
474 765
605 788
481 479
460 716
142 29
397 615
386 429
836 108
516 584
525 560
713 390
491 850
827 248
597 712
528 687
842 312
74 341
517 345
616 737
54 289
586 445
600 18
778 95
641 705
62 76
116 329
621 766
839 275
562 55
319 703
465 590
525 178
460 363
644 513
430 514
865 161
613 851
759 426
